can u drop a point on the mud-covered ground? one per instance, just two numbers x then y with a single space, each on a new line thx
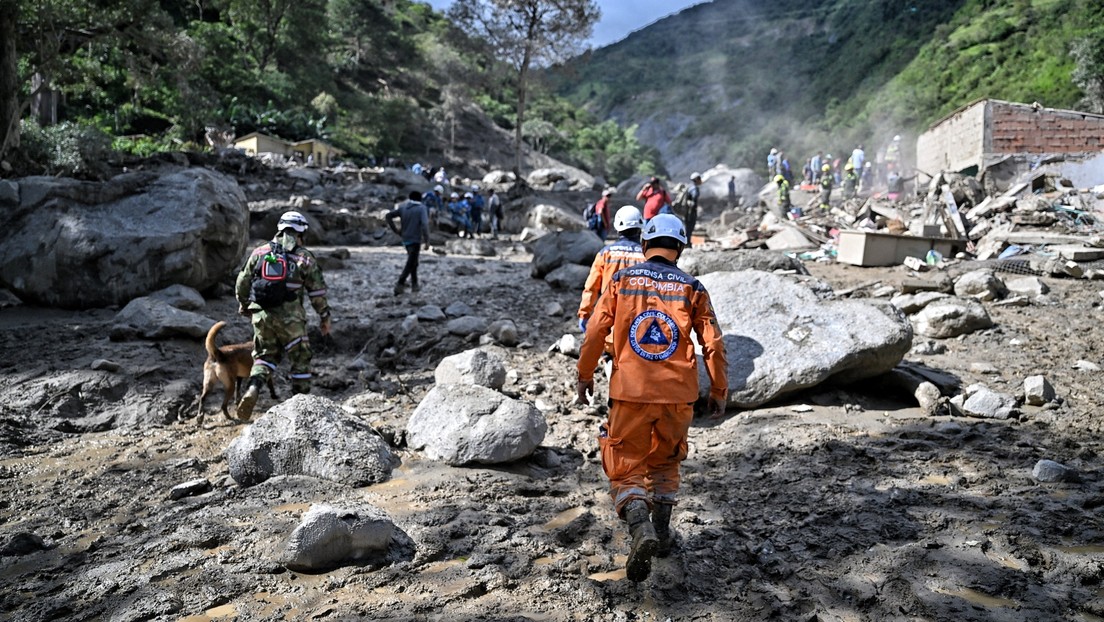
845 503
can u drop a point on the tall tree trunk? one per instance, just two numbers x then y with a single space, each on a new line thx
523 74
9 78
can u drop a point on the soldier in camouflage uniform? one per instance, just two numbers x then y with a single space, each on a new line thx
282 328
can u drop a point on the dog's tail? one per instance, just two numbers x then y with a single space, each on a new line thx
212 348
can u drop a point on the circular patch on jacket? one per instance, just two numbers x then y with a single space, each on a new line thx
654 336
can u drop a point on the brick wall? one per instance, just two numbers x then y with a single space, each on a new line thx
1017 128
954 144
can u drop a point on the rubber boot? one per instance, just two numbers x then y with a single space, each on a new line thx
249 398
661 519
644 541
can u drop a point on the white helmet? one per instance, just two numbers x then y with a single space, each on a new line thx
695 175
897 137
475 187
438 189
607 192
468 195
628 217
665 226
292 220
454 196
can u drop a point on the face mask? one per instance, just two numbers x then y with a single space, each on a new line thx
286 238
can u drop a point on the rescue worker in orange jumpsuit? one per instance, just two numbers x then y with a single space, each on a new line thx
651 309
623 253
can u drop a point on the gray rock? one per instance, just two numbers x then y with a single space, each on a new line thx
1051 472
546 217
553 309
1028 286
697 262
9 193
571 277
951 317
105 365
563 247
984 402
328 537
780 338
471 424
471 246
311 176
22 543
1083 365
504 332
1038 391
409 324
984 368
928 397
467 325
77 244
313 436
190 488
458 309
928 348
569 345
980 284
914 303
147 318
181 297
479 366
432 313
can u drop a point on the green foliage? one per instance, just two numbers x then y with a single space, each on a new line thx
64 149
1088 75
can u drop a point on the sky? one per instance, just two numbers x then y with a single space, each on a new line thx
620 17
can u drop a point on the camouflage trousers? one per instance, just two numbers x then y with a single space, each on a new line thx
273 336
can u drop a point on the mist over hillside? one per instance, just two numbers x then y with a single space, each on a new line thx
727 80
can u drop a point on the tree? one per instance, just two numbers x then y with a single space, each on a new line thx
1088 74
525 32
9 77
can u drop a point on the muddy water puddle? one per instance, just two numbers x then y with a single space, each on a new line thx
974 597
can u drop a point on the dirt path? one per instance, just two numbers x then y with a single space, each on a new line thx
856 508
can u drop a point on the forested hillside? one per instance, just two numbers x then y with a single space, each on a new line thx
376 77
727 80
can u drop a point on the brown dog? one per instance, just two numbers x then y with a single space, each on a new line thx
227 364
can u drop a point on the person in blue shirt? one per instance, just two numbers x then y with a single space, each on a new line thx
477 204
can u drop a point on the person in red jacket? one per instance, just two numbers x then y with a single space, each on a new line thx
602 209
655 198
651 308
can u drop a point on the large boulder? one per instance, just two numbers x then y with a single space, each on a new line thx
555 218
950 317
980 284
780 337
313 436
328 537
714 189
567 178
78 244
152 318
480 366
698 262
563 247
460 424
571 277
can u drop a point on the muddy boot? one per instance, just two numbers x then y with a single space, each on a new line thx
249 398
399 287
644 541
661 519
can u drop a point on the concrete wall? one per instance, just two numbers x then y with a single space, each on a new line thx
1017 128
956 143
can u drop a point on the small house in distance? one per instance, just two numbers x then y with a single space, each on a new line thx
310 152
256 143
1016 136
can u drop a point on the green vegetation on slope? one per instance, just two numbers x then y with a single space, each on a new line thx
376 78
726 81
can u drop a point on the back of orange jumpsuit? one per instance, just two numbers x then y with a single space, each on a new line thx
612 258
651 309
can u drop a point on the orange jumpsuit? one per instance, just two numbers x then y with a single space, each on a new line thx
651 309
621 254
